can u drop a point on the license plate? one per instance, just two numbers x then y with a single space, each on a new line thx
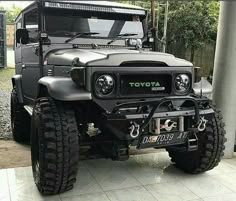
162 140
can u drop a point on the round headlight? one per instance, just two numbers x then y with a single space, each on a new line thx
182 83
105 85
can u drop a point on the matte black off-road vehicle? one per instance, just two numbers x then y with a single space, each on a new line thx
86 76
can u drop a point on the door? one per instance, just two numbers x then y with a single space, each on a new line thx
30 57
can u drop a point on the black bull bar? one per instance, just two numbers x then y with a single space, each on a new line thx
156 105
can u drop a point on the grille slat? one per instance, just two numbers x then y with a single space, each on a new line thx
145 84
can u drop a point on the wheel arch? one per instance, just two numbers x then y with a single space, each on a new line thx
62 88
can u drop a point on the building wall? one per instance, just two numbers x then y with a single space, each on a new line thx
10 34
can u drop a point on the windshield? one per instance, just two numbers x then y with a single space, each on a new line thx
67 24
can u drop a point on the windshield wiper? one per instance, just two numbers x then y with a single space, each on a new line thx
66 33
80 34
121 36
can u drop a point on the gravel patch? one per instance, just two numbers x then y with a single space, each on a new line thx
5 93
5 121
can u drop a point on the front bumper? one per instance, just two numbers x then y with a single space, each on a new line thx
118 122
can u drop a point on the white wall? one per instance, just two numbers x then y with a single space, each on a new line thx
10 57
224 81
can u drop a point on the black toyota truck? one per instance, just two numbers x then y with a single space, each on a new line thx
86 76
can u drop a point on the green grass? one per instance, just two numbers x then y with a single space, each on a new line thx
5 78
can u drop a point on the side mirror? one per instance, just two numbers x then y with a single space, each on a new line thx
22 36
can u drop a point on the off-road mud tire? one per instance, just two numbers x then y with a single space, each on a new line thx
210 150
54 146
20 120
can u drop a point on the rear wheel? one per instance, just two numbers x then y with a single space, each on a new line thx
54 146
20 120
210 151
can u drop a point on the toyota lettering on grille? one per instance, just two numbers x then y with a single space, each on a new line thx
155 86
144 84
148 84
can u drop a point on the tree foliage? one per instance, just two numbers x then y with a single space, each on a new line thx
12 13
193 23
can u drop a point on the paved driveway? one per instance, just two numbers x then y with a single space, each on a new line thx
147 177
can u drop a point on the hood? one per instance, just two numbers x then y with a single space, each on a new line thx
110 57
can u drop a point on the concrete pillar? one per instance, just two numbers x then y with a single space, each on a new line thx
224 80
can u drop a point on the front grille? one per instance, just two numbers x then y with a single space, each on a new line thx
145 84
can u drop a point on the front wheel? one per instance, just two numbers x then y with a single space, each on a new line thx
54 146
210 150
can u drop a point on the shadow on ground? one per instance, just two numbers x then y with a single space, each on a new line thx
13 154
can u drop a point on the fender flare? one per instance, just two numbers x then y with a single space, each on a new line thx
203 87
16 82
63 89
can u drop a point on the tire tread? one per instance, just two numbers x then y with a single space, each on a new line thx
59 158
209 155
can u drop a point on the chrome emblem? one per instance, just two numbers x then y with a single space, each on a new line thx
169 125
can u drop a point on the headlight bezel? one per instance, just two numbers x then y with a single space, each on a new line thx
113 91
188 89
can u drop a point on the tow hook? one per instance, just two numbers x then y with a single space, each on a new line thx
134 130
202 125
